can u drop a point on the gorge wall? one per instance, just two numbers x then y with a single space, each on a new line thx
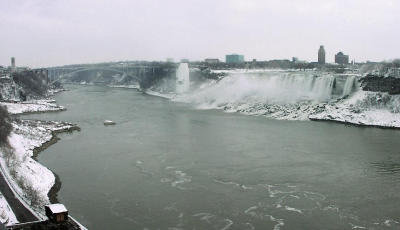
377 83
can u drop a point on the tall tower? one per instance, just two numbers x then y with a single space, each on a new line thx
13 63
321 55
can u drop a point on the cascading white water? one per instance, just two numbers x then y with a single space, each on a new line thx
182 78
322 88
276 89
349 85
281 95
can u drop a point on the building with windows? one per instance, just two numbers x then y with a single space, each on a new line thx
321 55
211 60
234 58
340 58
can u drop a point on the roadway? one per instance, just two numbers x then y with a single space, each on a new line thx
21 212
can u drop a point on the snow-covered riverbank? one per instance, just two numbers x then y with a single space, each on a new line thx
28 178
35 106
30 181
364 109
287 95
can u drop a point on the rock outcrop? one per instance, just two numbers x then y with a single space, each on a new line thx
377 83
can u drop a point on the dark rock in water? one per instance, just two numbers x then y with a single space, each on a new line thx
377 83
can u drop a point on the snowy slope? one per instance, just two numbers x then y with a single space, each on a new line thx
364 108
7 216
22 171
32 106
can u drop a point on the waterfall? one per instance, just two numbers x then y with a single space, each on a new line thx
322 88
182 78
349 85
275 88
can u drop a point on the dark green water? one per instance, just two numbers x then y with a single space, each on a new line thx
168 166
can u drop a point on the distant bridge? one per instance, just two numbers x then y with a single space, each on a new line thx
144 73
55 73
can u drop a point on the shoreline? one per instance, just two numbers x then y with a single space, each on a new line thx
41 135
309 117
354 124
28 139
53 192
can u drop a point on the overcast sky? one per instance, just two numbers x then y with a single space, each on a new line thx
58 32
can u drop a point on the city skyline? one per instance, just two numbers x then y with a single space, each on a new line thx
48 33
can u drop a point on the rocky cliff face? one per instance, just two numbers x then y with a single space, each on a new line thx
377 83
24 85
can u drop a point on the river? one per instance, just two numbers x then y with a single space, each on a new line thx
167 165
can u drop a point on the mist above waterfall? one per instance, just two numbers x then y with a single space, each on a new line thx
182 78
275 88
278 94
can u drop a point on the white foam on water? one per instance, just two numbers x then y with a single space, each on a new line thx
293 209
280 222
228 225
251 227
205 216
181 178
177 178
353 226
165 180
314 195
294 196
390 222
139 165
171 207
252 208
242 186
331 208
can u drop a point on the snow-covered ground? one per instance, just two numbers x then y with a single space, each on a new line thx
52 92
7 216
28 178
296 95
126 86
9 90
364 108
32 106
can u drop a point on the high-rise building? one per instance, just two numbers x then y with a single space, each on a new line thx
321 55
13 63
234 58
340 58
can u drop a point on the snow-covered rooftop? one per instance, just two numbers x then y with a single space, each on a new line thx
57 208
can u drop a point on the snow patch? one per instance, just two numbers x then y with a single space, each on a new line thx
28 178
32 106
7 216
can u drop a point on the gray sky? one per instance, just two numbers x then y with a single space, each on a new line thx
57 32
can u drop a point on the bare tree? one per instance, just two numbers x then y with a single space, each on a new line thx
5 126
